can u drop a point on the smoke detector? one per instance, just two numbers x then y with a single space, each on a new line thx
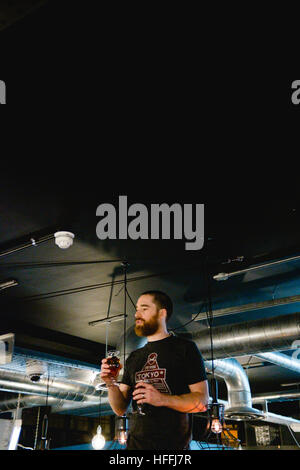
64 239
35 369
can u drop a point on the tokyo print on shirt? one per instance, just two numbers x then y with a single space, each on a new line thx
153 374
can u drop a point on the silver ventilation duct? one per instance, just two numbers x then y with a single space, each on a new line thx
20 383
234 340
229 341
239 405
28 401
57 405
250 338
281 360
279 396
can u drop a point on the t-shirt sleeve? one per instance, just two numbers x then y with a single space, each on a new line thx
195 368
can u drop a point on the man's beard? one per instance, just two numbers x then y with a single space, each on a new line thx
147 328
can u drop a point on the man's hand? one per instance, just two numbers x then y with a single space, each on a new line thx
105 373
147 393
194 402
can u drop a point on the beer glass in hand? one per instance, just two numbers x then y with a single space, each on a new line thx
113 361
140 408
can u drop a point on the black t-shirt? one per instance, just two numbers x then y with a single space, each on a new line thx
170 365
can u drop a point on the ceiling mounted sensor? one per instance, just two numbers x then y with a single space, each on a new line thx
64 239
35 369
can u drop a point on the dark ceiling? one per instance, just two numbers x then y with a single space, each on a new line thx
60 173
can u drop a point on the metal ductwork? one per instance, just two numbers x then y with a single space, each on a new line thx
65 385
234 340
28 401
20 383
228 341
281 360
291 395
239 405
57 405
250 338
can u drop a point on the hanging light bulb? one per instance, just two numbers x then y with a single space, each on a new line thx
216 426
216 410
121 429
216 418
122 438
98 441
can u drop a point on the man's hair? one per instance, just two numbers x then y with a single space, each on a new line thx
161 300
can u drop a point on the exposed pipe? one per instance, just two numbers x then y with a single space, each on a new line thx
237 382
28 401
249 338
278 419
225 276
232 372
221 312
239 404
15 382
281 360
32 242
58 405
239 394
229 341
277 396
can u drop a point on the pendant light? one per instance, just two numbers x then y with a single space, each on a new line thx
216 409
98 441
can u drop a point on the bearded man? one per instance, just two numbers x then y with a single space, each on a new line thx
165 380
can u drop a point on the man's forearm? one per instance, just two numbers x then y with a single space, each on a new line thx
117 400
193 402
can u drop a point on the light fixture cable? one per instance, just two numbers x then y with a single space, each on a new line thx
125 268
216 409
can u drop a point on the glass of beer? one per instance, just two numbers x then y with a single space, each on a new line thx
140 408
113 361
